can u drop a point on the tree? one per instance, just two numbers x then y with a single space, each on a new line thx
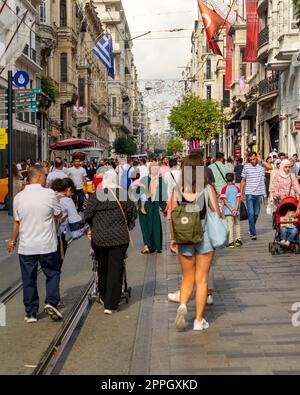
124 146
297 7
197 118
174 145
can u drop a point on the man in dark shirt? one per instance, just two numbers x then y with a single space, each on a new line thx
238 171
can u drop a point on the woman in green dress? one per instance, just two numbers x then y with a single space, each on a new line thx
153 199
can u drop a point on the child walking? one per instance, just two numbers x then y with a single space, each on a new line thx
231 196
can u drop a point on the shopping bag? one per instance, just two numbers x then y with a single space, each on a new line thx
243 212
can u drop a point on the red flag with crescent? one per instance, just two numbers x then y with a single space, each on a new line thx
212 22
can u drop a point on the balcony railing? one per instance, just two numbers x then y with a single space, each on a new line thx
30 52
269 85
263 37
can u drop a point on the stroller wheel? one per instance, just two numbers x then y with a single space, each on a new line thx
277 249
272 248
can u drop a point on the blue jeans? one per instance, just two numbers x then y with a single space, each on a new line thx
51 268
290 232
253 207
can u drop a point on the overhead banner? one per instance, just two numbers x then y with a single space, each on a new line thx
252 32
228 72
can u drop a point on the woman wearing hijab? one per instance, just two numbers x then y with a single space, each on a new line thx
285 184
110 216
153 199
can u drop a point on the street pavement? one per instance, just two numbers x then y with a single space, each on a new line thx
22 345
250 322
9 264
250 332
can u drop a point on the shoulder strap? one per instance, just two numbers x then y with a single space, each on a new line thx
291 185
123 213
220 172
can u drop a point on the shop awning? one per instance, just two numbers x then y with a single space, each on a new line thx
234 120
250 112
71 144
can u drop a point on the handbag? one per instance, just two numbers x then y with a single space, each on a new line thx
123 213
243 212
216 227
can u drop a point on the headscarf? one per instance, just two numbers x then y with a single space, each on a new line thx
284 163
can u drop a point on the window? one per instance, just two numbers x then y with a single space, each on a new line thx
114 106
243 66
226 95
64 67
208 92
43 13
208 69
81 92
107 8
294 25
63 13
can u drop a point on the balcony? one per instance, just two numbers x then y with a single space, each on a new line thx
262 6
288 46
268 88
29 56
68 94
111 17
48 36
84 117
127 127
263 44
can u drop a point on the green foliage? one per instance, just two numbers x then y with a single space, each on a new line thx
197 118
49 89
297 6
124 146
174 145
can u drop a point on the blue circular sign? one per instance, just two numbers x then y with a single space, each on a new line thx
21 78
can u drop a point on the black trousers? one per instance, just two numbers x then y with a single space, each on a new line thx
110 270
62 246
78 198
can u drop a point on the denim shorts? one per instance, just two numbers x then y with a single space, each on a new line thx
197 249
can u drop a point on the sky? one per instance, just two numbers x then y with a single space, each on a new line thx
161 58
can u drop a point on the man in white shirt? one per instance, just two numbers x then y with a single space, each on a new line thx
144 171
78 175
35 211
58 172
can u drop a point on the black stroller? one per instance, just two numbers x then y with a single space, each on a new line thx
126 291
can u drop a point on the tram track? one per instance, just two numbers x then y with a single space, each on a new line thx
57 349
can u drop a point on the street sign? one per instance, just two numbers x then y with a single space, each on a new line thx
21 78
3 138
296 125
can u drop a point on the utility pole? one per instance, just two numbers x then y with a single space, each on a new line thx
10 141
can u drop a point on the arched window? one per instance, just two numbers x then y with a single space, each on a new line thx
64 67
63 13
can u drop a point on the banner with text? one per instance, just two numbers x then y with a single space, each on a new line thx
252 32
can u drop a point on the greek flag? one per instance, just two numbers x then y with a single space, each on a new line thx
104 51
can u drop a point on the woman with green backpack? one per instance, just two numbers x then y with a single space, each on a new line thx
190 203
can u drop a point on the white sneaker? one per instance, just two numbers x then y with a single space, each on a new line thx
180 320
109 312
210 300
174 297
282 242
30 320
201 325
287 243
54 314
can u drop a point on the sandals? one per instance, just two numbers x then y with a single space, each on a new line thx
145 251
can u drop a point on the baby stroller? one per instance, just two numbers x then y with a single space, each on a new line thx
275 248
126 291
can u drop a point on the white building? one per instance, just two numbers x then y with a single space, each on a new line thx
18 52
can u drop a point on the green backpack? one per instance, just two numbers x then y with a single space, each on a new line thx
187 227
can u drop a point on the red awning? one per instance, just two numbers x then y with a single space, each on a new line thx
70 144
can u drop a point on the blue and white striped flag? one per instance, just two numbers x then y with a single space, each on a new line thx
104 51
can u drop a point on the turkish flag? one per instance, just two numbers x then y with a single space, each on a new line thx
212 22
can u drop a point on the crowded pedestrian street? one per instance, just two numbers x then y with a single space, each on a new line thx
149 193
251 318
